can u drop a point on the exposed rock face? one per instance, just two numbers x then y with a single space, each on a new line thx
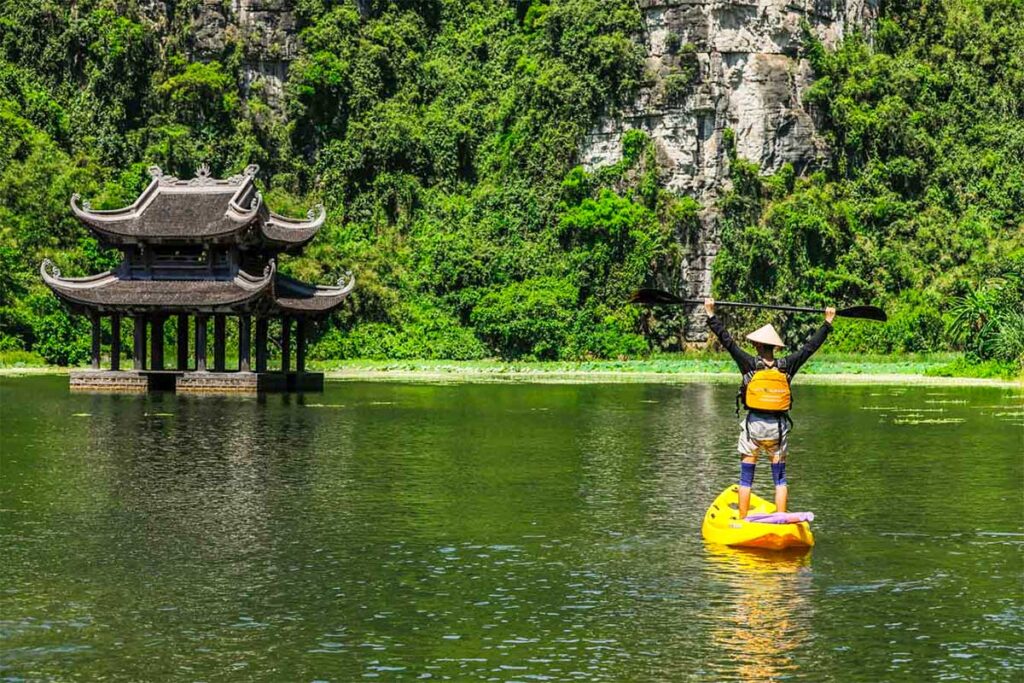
271 43
718 64
268 34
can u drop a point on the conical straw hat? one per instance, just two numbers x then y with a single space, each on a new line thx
766 335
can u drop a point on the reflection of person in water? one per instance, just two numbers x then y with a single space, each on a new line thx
766 616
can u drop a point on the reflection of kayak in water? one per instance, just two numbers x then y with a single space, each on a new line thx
763 613
722 525
738 561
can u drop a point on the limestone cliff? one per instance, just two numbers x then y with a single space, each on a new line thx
724 64
265 29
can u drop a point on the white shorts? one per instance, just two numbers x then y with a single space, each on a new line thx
764 432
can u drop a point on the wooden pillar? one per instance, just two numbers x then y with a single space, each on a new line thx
261 344
115 341
300 345
94 318
219 341
286 343
182 363
139 352
201 343
156 343
244 339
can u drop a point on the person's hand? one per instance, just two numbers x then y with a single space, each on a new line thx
709 306
830 314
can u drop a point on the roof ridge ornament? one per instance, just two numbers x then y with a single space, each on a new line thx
162 179
250 172
257 199
50 266
315 211
157 174
84 203
202 175
346 279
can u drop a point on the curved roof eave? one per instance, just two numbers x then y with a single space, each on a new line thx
100 218
54 280
303 299
170 295
291 232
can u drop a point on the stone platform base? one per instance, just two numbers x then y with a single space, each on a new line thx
109 380
139 381
249 382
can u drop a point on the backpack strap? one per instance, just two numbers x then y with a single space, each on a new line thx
781 365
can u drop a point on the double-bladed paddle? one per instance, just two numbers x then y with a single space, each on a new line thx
657 297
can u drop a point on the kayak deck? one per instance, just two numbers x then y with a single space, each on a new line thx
722 525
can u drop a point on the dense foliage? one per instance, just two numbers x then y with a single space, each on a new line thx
442 137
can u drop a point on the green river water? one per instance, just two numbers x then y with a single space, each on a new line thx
512 532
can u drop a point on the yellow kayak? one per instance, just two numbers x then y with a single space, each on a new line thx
722 525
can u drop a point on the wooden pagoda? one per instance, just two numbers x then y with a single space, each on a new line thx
198 250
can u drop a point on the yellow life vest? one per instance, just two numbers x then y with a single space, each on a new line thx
768 391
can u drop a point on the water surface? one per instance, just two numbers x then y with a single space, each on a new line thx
502 532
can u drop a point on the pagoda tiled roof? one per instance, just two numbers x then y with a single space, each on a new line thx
269 293
200 210
110 292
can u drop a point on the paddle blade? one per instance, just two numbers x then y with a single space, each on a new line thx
654 297
864 312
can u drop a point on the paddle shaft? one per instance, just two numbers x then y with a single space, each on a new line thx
741 304
657 297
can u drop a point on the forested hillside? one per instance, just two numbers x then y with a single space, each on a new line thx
922 207
442 137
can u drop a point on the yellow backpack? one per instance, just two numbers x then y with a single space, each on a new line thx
767 391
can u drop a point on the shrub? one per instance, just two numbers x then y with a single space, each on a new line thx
528 319
672 43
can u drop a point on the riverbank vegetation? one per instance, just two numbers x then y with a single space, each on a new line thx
442 137
711 365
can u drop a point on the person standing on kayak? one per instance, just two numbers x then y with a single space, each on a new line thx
766 396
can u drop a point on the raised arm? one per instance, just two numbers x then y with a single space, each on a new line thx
795 360
742 358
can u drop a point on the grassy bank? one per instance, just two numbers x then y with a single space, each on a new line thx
936 368
667 367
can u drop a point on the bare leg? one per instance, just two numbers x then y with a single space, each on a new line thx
781 498
781 492
744 492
